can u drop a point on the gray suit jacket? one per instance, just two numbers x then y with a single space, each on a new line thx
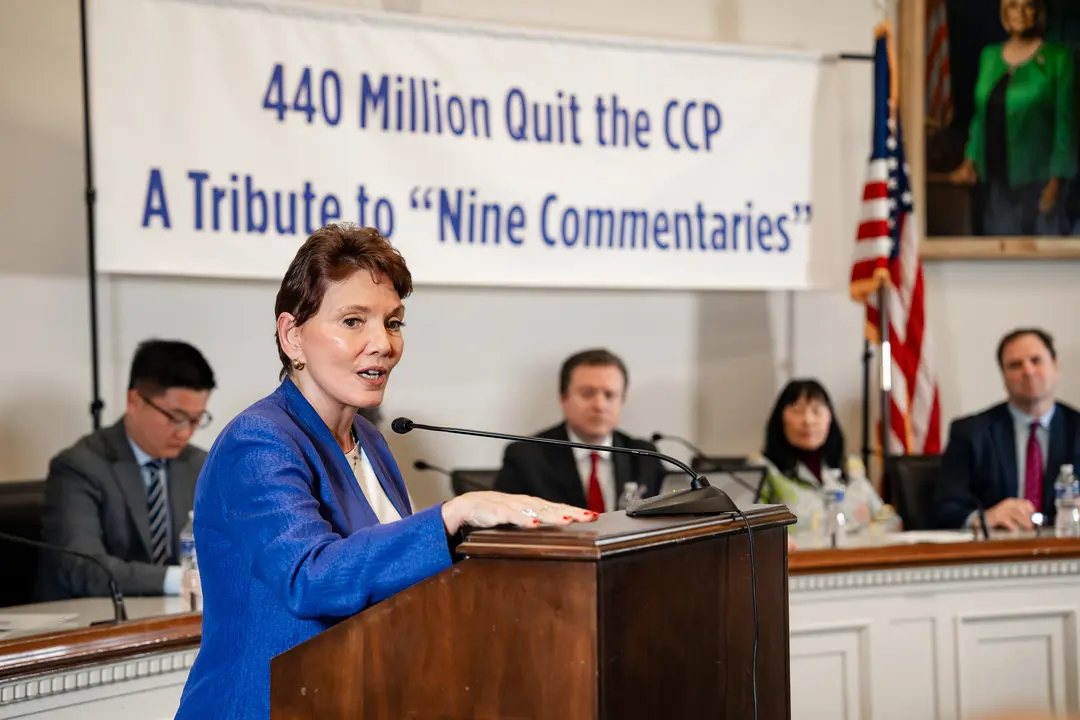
95 503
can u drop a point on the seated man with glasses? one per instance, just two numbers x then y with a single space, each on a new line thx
122 494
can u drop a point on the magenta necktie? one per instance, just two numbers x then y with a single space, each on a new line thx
1034 469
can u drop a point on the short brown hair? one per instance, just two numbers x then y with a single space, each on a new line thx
330 255
596 357
1046 338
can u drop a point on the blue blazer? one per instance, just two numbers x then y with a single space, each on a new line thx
980 460
288 546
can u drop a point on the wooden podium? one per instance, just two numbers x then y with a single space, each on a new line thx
619 619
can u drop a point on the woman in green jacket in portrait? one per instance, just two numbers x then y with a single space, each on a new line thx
1022 143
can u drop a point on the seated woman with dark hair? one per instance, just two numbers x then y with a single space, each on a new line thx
804 454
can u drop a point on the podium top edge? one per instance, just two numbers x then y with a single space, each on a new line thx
615 533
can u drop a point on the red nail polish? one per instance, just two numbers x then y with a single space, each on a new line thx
536 522
567 517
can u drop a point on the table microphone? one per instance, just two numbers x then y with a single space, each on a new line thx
701 499
424 465
119 610
657 437
982 515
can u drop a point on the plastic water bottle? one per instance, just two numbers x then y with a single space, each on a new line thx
1075 485
190 587
1067 514
631 493
858 495
835 520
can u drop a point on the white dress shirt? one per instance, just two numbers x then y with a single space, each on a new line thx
370 486
605 470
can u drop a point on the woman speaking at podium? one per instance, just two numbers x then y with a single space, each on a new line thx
301 516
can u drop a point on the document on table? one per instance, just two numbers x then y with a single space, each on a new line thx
12 623
914 537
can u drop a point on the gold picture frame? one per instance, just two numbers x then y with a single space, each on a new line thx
934 193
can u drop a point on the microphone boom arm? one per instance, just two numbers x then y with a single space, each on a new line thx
119 609
696 483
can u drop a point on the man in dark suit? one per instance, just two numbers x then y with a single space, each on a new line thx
1008 456
123 494
592 389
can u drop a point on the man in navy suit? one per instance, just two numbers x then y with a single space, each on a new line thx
1008 456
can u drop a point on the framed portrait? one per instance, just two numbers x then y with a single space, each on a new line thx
990 109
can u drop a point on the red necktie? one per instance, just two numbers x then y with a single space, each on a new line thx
1033 470
596 496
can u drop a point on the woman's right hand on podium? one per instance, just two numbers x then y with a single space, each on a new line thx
488 509
965 174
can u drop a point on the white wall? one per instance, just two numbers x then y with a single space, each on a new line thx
704 364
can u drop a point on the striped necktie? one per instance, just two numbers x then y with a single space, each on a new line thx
156 505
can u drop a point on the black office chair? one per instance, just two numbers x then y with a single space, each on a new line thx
908 486
463 481
21 505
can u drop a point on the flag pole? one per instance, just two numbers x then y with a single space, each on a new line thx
886 367
867 356
884 336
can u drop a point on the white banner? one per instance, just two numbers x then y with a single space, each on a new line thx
224 132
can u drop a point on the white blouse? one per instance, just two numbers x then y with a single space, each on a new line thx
370 485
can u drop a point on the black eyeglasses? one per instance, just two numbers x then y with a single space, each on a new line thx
180 421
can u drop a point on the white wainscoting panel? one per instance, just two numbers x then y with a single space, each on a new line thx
1024 660
936 643
830 672
906 669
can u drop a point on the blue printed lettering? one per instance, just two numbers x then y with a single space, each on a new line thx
198 177
764 231
781 220
372 98
660 228
330 211
156 204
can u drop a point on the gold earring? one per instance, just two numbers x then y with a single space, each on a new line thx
298 364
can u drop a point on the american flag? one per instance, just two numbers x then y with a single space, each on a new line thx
887 253
938 73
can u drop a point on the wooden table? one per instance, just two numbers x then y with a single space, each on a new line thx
932 631
79 670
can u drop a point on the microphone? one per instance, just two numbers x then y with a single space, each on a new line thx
982 515
424 465
119 610
701 499
657 437
698 454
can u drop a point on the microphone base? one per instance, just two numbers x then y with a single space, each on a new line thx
708 500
